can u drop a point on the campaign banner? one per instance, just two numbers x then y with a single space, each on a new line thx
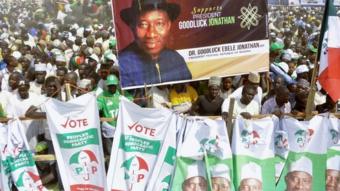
204 159
312 2
5 181
253 153
75 132
306 162
18 160
142 138
223 37
333 157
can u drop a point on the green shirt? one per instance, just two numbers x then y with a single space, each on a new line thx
109 104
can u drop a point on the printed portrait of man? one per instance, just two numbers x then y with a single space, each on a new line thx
195 179
251 177
300 175
220 178
147 60
333 174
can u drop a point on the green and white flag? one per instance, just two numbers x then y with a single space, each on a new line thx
306 163
204 159
19 159
5 181
75 132
140 136
253 153
333 157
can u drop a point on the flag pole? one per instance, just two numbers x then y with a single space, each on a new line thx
311 95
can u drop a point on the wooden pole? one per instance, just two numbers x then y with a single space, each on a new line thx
68 91
311 95
230 119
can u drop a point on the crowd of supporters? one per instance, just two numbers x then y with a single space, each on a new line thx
45 45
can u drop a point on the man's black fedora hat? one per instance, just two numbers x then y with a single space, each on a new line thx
130 14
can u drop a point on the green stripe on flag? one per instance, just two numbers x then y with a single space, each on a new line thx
78 139
130 143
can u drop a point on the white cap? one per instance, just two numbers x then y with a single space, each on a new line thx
60 58
16 55
254 77
304 164
84 83
220 170
196 169
56 43
251 171
94 57
80 32
333 163
301 69
40 67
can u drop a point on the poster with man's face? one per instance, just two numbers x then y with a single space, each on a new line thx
169 41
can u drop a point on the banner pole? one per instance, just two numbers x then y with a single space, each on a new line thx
68 91
230 119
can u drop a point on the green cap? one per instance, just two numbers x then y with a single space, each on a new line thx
112 43
312 48
276 46
41 146
109 56
111 80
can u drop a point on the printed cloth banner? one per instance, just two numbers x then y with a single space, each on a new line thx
253 153
187 38
140 140
333 157
75 132
204 159
306 163
5 181
19 160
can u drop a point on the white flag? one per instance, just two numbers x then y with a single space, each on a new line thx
19 159
75 132
137 144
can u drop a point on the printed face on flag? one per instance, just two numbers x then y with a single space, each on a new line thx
220 184
196 183
298 181
250 184
332 180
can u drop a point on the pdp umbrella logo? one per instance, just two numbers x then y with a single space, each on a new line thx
210 145
334 136
135 170
303 137
84 164
29 181
281 141
250 138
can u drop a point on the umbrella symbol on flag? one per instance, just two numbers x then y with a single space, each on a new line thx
29 181
85 163
303 136
135 170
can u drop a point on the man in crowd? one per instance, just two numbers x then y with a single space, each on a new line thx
245 106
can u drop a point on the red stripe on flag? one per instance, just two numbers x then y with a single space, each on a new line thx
330 77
